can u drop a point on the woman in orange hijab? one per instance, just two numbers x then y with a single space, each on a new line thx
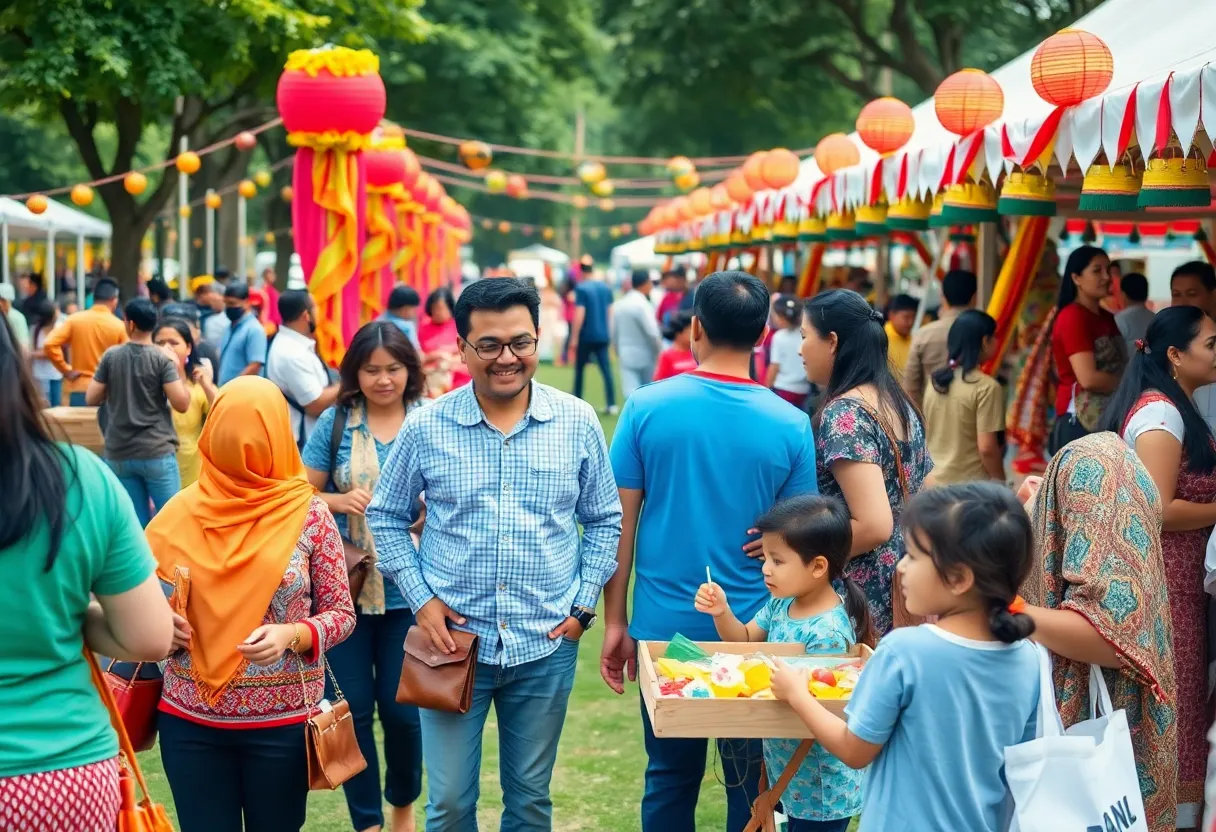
268 596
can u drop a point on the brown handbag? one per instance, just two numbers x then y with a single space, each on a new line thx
331 745
900 617
358 562
436 680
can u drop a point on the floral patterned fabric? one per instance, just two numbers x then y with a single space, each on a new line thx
848 431
1097 521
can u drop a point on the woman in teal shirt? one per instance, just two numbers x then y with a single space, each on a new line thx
68 532
381 381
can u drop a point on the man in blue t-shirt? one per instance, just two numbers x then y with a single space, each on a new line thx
590 332
243 350
704 454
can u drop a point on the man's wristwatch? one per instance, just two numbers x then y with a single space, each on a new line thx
585 617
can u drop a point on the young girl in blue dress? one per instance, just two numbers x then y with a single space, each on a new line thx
936 705
806 542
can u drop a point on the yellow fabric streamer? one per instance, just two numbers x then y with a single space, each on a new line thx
377 253
338 60
334 176
407 238
347 141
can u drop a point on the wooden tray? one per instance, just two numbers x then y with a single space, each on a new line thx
75 425
727 718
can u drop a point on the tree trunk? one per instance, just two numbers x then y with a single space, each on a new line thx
125 253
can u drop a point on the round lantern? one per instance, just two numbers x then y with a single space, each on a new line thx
135 183
496 181
268 238
82 195
213 200
188 163
835 152
688 180
702 201
411 169
546 234
433 194
245 141
487 224
36 204
591 172
737 187
752 171
504 227
719 199
517 186
333 91
885 125
683 209
603 188
476 155
578 201
607 205
184 212
262 178
286 193
779 168
626 228
679 165
383 166
968 101
247 189
1071 66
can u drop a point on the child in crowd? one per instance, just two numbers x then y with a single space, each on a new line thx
677 358
806 542
785 375
937 705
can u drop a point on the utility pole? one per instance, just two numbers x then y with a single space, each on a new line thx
580 141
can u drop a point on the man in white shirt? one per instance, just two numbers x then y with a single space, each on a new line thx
293 364
635 334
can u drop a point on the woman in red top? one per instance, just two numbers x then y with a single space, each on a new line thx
1087 350
677 358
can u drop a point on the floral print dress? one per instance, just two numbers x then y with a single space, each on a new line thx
848 431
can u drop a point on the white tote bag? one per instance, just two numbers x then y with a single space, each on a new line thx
1083 779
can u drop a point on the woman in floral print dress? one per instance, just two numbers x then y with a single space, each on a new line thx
867 431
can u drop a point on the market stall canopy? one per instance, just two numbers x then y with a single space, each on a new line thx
540 252
636 254
60 218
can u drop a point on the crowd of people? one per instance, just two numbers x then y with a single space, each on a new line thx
865 502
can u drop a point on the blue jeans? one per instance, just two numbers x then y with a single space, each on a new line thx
530 704
797 825
149 482
599 353
76 400
368 667
52 390
674 772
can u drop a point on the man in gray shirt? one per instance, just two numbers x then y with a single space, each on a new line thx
137 382
635 334
1133 321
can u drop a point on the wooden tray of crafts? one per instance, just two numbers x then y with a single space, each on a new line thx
727 718
75 425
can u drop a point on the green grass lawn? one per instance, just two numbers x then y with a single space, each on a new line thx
597 784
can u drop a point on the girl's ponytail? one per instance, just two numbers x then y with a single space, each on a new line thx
965 345
858 609
1006 625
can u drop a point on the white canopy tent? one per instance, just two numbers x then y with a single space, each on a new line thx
58 220
537 251
636 254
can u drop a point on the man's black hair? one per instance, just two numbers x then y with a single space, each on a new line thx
142 314
1135 286
159 288
292 304
640 278
105 290
188 312
222 274
1198 269
732 308
240 291
494 294
959 287
403 296
903 303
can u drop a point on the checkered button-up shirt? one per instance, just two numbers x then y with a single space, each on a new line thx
501 544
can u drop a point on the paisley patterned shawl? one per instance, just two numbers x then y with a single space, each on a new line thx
1097 520
362 472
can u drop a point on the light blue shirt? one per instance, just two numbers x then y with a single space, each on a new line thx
824 788
410 328
501 544
944 708
244 343
712 454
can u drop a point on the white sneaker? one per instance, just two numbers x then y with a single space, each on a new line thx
612 410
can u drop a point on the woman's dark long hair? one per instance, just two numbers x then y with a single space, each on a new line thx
182 328
965 345
861 352
44 314
1078 262
1177 327
32 467
366 341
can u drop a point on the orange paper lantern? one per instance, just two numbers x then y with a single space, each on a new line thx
81 195
680 165
835 152
504 227
476 155
1071 66
247 189
779 168
135 183
578 201
245 140
286 193
36 204
885 125
683 209
968 101
719 199
213 200
737 187
702 201
752 171
188 163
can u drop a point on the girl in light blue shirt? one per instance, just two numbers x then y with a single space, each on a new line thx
937 704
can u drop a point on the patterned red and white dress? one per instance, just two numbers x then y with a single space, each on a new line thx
80 799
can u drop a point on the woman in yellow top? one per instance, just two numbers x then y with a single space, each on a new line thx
174 333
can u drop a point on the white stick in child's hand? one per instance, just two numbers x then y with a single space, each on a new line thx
709 581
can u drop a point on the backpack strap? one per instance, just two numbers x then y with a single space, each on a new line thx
335 440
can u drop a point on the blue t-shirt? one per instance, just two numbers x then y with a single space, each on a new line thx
712 454
944 708
243 344
316 457
408 327
596 298
824 788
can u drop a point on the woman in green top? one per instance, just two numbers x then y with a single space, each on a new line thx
75 570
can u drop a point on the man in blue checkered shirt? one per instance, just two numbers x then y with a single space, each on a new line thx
511 468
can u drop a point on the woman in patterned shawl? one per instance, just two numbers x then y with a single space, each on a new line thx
1099 597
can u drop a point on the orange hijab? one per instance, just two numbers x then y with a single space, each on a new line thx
236 527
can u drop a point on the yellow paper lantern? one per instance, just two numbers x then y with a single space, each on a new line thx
269 237
184 212
247 189
687 181
262 178
496 181
188 163
603 188
679 165
547 233
591 172
213 200
135 183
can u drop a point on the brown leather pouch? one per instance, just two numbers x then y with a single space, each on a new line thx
358 562
436 680
331 746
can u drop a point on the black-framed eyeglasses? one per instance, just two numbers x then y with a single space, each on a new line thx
520 348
